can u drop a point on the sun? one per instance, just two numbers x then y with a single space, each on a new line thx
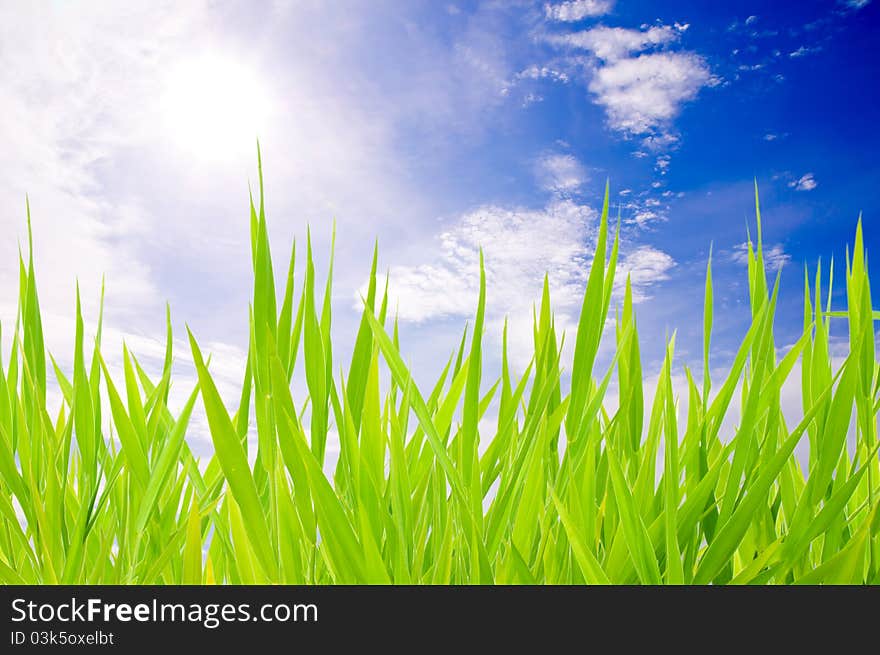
214 107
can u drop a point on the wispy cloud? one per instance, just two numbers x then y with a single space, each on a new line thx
645 93
805 183
68 102
613 43
112 194
803 51
520 245
644 217
662 164
560 173
575 10
535 72
641 92
646 209
774 256
645 266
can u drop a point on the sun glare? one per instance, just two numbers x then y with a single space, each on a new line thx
215 107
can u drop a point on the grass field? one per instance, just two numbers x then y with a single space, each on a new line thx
561 490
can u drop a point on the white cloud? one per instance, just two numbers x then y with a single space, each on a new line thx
857 4
613 43
803 51
520 245
560 173
641 92
660 142
805 183
646 93
645 266
76 79
751 19
774 256
112 194
644 217
575 10
535 72
644 210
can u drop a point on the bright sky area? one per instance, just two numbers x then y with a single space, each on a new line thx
436 128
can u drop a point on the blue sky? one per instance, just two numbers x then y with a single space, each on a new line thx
436 127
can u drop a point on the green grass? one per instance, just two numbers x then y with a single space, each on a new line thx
561 490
